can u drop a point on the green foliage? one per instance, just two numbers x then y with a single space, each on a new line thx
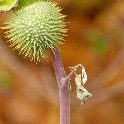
98 41
5 82
6 5
99 44
23 3
36 28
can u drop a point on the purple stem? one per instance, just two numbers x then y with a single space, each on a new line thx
64 88
67 79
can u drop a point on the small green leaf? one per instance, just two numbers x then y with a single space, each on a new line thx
6 5
23 3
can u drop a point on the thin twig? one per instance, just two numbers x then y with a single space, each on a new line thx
64 89
66 79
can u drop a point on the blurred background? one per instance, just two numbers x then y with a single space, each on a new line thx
29 92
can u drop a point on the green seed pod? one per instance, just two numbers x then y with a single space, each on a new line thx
36 28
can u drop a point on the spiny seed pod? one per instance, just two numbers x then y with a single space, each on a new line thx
36 28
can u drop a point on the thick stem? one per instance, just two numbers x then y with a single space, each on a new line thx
64 88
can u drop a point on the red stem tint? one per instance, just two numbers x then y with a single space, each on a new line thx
64 88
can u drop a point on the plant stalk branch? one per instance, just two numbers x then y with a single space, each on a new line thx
64 88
